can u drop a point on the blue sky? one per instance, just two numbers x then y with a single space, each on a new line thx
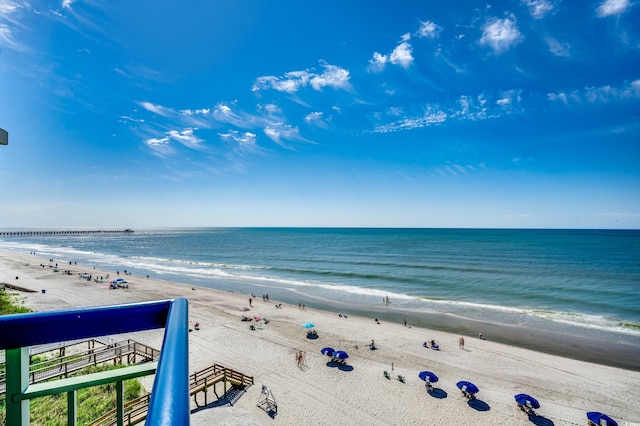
508 114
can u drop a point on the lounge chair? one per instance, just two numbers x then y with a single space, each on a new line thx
386 375
401 378
526 409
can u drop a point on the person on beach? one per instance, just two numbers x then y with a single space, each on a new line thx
405 322
461 343
250 300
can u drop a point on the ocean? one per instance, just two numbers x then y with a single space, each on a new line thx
579 282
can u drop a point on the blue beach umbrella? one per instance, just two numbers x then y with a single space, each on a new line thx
467 387
527 400
601 419
340 355
428 376
327 351
308 325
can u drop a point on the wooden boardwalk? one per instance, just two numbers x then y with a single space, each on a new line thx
135 411
97 353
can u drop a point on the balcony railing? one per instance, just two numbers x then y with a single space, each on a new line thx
169 403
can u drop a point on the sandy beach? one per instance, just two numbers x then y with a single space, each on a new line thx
320 394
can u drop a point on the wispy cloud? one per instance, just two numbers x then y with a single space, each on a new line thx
242 139
558 48
186 137
538 8
316 119
66 4
159 146
278 132
598 95
157 109
501 34
333 76
612 7
9 23
433 115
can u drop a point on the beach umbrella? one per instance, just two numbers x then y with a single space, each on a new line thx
428 376
327 351
601 419
308 325
527 400
467 387
341 355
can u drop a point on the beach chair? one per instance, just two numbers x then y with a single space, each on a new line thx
526 409
401 378
386 375
267 401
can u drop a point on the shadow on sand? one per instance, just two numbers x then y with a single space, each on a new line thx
438 393
341 367
540 420
478 405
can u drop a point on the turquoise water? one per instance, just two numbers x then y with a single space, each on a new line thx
577 281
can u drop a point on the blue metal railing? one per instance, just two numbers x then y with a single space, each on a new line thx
170 395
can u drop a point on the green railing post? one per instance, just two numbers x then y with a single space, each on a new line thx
17 368
120 403
72 415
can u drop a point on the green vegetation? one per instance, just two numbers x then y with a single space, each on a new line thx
10 305
92 402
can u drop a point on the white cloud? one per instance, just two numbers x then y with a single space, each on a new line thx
7 7
291 82
599 95
500 34
429 29
244 139
185 137
159 145
558 97
333 76
7 39
7 32
316 119
557 48
156 109
279 131
378 61
431 117
612 7
202 111
401 55
538 8
66 4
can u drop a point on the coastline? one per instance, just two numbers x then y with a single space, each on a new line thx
318 394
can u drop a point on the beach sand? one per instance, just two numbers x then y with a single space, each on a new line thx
319 394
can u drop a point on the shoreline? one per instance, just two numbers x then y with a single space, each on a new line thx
319 394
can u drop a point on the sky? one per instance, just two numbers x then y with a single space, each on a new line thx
241 113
